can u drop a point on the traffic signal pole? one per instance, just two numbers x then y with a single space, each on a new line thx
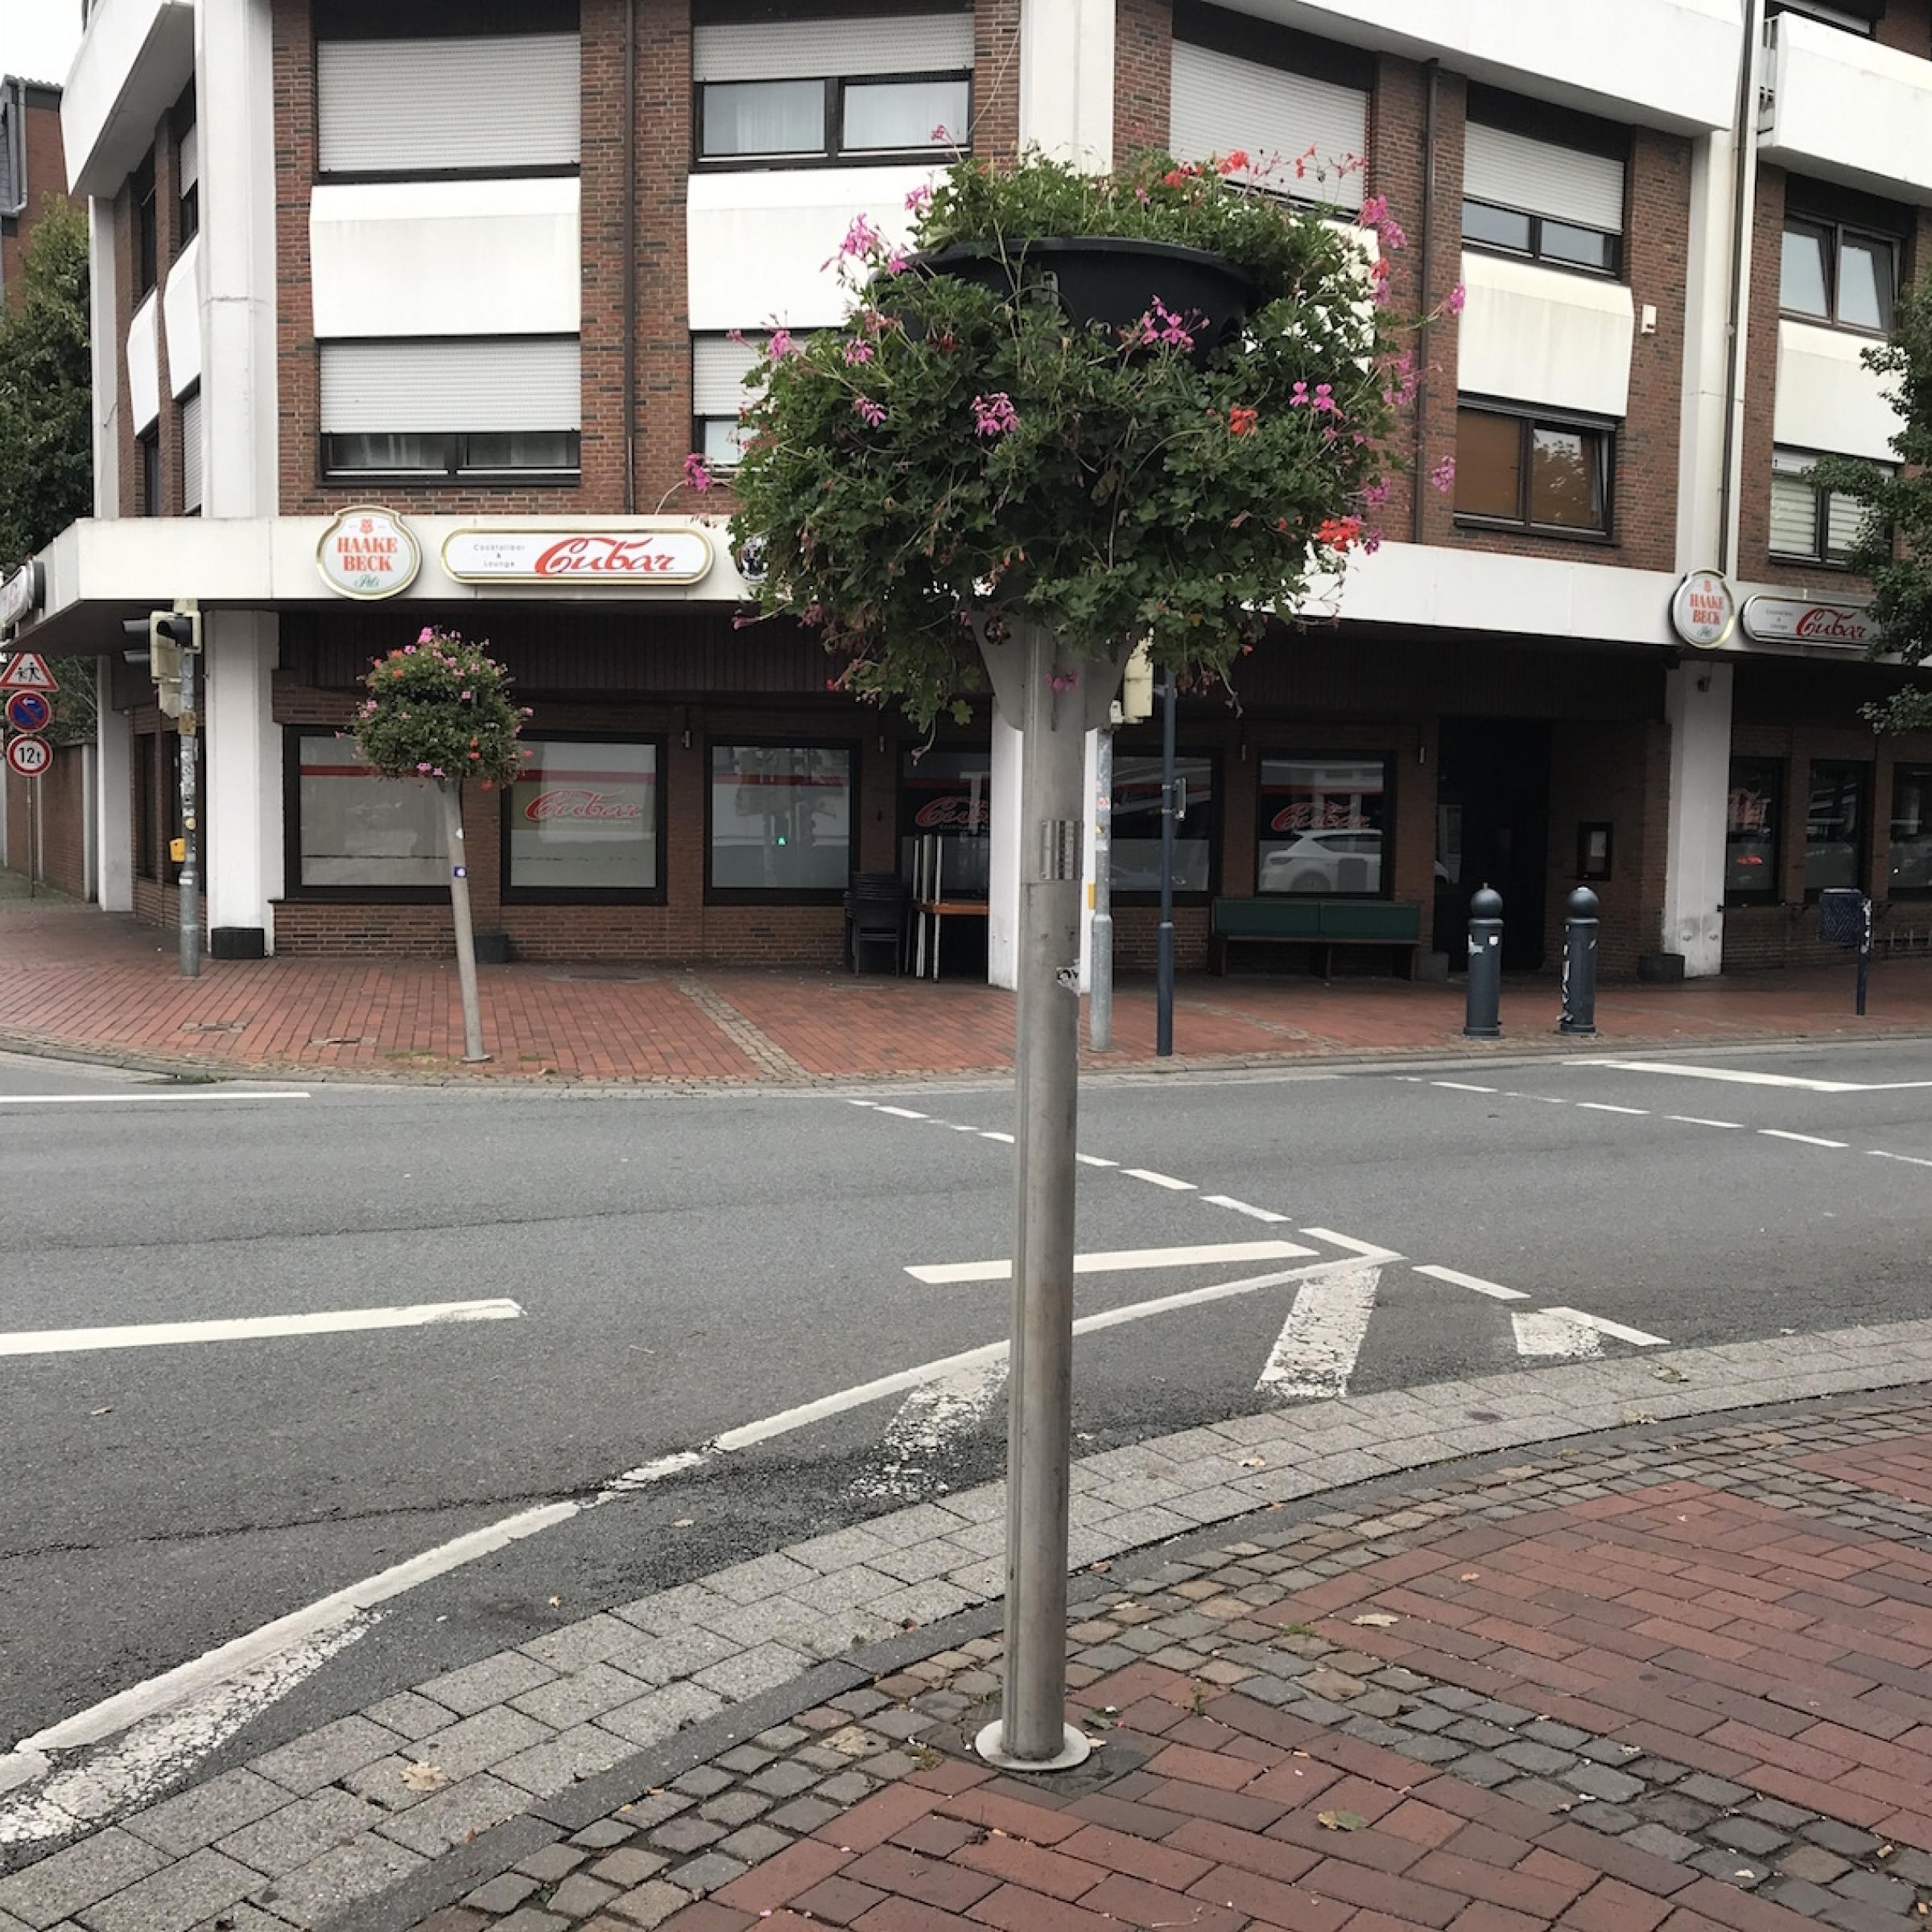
189 885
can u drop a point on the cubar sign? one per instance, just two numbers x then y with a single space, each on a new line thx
368 552
1801 620
604 559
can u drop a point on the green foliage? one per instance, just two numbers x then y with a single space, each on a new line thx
959 458
440 709
46 429
1894 545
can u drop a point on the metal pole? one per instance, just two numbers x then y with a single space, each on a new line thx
1032 1732
189 886
1482 1019
1865 955
33 837
1580 964
459 908
1099 1013
1163 1010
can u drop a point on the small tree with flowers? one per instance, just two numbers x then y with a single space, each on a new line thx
1080 411
439 712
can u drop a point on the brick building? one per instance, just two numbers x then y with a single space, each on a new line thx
462 280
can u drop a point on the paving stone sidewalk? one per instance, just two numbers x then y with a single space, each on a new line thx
649 1758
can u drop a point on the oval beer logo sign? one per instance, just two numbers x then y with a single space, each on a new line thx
368 552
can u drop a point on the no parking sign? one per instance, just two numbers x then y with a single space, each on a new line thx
28 711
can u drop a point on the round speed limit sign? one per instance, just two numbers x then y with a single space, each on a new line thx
29 757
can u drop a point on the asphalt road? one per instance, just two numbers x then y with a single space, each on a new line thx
685 1267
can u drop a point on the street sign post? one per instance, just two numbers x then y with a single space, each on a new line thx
29 710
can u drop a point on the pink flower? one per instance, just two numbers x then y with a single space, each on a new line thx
1442 477
1456 298
736 335
857 350
423 766
1393 237
427 636
1375 211
861 238
939 132
1297 397
1324 397
871 413
781 344
696 476
993 415
1376 494
919 197
896 262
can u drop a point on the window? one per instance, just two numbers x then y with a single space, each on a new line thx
1322 824
191 456
1533 472
1836 274
1813 525
357 830
781 821
826 90
1238 82
944 793
1137 824
147 241
187 174
1911 863
585 821
1834 826
1530 188
147 784
149 447
1751 830
478 405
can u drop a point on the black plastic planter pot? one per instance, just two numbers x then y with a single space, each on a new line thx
1108 281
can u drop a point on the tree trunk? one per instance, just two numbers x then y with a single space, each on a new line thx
459 907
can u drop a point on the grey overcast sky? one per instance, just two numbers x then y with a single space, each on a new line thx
38 38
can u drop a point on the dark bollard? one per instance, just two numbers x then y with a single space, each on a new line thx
1580 964
1483 1020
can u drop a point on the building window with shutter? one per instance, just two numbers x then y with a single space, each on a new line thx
1543 185
193 457
187 172
149 447
719 394
1810 525
1532 472
147 233
807 93
431 409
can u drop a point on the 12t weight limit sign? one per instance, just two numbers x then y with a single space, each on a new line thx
29 757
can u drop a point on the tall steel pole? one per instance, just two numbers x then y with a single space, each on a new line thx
188 886
1032 1732
1163 1021
1099 950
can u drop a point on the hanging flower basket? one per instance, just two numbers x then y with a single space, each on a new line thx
1108 282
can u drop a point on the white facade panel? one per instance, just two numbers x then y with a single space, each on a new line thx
452 388
1517 171
1531 334
135 58
1827 400
446 257
496 100
809 50
1846 109
144 363
1221 102
758 241
181 318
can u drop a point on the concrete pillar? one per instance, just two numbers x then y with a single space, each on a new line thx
1067 81
234 75
105 335
242 807
114 796
1003 854
1697 702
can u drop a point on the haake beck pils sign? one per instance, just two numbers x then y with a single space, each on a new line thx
368 552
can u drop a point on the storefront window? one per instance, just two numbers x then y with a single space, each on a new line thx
1751 831
1912 831
357 828
583 818
1834 826
781 819
1137 824
1322 824
943 794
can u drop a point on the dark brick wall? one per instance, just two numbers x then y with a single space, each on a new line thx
61 806
1143 76
46 181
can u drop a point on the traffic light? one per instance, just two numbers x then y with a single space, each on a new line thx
1137 688
168 633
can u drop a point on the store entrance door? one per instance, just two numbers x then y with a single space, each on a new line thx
1492 828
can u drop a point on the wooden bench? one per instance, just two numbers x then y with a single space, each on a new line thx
1319 924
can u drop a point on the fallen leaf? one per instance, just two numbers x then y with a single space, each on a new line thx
1102 1566
1341 1821
1665 1372
1376 1620
1254 1461
1638 1415
425 1777
556 1603
684 1522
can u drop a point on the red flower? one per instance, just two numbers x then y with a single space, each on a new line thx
1241 421
1233 163
1339 533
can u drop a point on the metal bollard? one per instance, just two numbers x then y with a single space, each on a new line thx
1483 1021
1579 963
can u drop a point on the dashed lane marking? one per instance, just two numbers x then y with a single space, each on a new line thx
1910 1159
903 1113
1456 1278
1159 1180
1807 1140
1696 1119
1094 1160
1605 1107
1119 1261
1461 1086
1370 1250
994 1133
1253 1212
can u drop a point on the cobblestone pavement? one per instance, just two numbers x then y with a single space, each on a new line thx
1681 1670
74 981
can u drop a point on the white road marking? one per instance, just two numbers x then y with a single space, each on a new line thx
1549 1100
97 1099
928 1418
1253 1214
993 1133
1369 1250
1494 1289
1461 1086
1636 1336
1116 1260
162 1334
962 1127
1315 1352
1159 1180
903 1114
861 1102
1742 1077
1605 1107
1912 1159
646 1473
1555 1331
1093 1160
1695 1120
1809 1140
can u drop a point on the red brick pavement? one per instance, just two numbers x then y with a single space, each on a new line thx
71 978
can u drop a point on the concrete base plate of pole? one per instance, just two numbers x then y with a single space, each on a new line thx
990 1744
